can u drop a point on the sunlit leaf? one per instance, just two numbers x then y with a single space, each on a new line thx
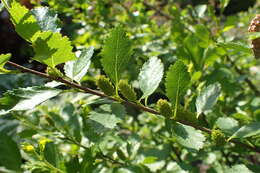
116 54
208 98
46 19
150 76
188 137
247 131
26 98
52 49
78 68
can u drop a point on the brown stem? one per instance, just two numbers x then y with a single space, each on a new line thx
98 93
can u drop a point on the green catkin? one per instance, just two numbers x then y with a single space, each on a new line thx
164 108
54 72
126 90
105 85
218 137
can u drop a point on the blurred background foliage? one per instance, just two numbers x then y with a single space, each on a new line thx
209 36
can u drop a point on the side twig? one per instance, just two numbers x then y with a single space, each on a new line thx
98 93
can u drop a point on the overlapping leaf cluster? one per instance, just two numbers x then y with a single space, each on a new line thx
189 63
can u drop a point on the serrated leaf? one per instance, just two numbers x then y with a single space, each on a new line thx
47 19
10 156
177 83
116 54
227 125
26 98
3 59
25 23
150 76
78 68
108 115
188 137
238 168
52 49
208 98
236 47
247 131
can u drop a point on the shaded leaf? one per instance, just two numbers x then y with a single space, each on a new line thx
150 76
188 137
78 68
208 98
47 19
238 168
108 115
116 54
51 154
52 49
247 131
26 98
10 156
237 47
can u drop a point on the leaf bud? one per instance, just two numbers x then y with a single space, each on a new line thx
105 85
164 108
126 90
218 137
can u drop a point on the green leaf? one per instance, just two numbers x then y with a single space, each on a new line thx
238 168
150 76
188 137
227 124
223 4
10 156
247 131
108 115
116 54
177 83
78 68
253 35
47 19
52 49
25 23
208 98
236 47
3 59
51 154
200 10
26 98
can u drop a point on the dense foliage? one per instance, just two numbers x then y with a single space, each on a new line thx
130 86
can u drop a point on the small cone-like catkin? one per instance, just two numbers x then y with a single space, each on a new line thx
105 85
164 108
255 27
218 137
126 90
